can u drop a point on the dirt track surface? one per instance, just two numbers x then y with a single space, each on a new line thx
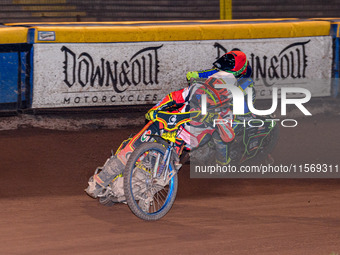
44 209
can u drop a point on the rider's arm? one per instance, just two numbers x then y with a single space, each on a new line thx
173 99
207 73
177 98
201 74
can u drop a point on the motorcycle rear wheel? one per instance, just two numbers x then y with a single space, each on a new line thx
267 147
147 199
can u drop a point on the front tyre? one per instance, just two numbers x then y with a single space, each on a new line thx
148 197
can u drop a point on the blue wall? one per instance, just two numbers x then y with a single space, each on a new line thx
9 77
14 76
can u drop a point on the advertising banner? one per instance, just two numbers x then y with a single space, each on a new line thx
106 74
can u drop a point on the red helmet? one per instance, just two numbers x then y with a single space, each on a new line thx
234 62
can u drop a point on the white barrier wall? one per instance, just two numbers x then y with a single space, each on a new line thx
98 74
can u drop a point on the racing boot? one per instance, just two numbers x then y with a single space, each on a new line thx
100 180
94 188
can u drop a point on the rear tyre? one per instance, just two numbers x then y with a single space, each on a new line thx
267 147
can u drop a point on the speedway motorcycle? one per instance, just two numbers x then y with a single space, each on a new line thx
150 178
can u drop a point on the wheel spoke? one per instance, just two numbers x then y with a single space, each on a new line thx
154 207
161 192
157 199
160 198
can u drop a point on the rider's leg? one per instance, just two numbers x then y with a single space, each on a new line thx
223 136
222 152
179 146
112 168
116 164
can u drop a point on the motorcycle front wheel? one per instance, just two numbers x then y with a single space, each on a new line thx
148 196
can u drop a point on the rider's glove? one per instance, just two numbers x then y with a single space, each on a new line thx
191 76
151 114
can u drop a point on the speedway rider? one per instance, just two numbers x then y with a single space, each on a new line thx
233 68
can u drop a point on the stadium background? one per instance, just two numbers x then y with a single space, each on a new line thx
128 10
133 10
43 171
